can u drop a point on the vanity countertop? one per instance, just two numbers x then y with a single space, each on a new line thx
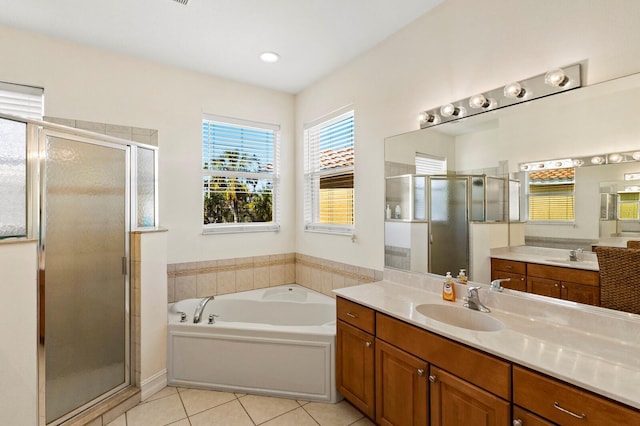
546 256
593 348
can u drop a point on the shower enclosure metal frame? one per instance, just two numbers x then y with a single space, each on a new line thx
36 134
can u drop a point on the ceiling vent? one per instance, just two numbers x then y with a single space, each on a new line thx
184 2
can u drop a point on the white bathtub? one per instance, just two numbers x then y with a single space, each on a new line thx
277 341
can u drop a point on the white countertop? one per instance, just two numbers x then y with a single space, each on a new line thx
546 256
593 348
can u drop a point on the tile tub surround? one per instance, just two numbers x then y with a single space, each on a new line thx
213 277
592 348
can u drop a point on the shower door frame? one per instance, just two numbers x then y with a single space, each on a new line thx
36 152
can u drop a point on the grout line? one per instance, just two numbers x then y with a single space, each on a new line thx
310 415
186 413
245 410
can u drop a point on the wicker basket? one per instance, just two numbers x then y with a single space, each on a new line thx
619 278
634 244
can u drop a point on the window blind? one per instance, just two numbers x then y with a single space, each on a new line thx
430 165
329 174
551 202
240 179
22 101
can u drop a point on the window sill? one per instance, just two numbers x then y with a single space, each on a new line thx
330 229
240 229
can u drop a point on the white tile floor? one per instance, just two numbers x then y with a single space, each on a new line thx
194 407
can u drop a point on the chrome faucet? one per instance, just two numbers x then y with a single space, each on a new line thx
495 284
473 300
198 313
574 255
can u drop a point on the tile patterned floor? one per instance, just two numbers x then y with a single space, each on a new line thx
195 407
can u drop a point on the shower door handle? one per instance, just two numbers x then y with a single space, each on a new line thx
124 265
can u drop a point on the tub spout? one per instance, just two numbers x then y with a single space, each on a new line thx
197 316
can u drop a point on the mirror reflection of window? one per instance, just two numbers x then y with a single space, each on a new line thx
430 165
551 195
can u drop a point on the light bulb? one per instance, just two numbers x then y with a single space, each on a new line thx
578 163
597 160
636 155
423 116
615 158
514 90
426 117
556 78
449 109
524 167
479 101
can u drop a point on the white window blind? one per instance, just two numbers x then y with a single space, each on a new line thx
240 175
430 165
551 195
22 101
329 174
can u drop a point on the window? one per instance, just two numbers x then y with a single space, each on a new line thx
22 101
328 174
551 195
430 165
240 175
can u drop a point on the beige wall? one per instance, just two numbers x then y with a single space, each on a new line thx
88 84
458 49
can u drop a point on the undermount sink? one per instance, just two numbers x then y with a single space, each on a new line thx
460 317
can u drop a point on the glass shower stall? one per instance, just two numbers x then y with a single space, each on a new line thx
79 194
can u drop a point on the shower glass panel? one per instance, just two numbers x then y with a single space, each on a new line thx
86 303
448 225
145 187
13 178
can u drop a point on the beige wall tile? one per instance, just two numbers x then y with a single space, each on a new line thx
244 279
63 121
326 282
303 275
207 264
206 284
185 287
171 289
186 266
146 139
244 261
316 279
337 281
261 277
226 282
290 273
276 275
90 125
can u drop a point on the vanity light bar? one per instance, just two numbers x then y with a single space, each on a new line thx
593 160
555 81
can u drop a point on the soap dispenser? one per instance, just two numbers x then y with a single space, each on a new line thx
388 212
449 288
398 211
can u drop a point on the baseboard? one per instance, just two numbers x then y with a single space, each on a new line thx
153 384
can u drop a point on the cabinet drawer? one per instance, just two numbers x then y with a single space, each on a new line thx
509 266
357 315
566 404
522 417
482 370
564 274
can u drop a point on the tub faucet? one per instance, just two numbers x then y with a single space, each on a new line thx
495 284
197 316
473 300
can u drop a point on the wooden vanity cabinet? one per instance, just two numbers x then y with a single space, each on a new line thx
402 390
515 271
565 404
522 417
576 285
355 355
457 402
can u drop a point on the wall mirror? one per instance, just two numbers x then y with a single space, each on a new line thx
592 121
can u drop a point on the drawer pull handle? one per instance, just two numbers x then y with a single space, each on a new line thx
517 422
571 413
432 378
368 344
509 267
420 372
349 314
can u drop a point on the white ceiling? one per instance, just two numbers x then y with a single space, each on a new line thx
225 37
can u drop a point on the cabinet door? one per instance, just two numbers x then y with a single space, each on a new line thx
355 368
402 393
455 402
522 417
543 287
581 293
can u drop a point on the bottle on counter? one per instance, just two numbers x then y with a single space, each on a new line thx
462 276
388 212
398 212
449 288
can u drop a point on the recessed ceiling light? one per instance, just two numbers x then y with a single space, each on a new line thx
269 57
